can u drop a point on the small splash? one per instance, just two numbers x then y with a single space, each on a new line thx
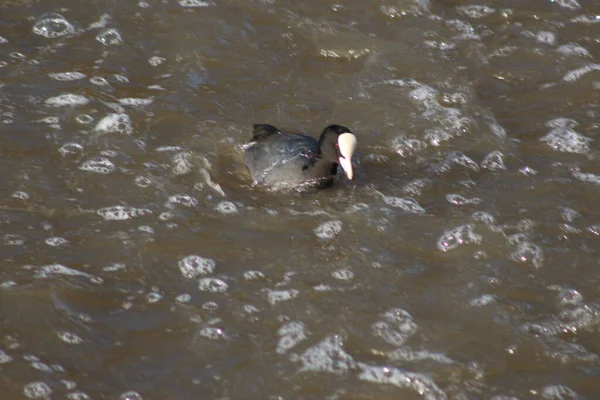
182 163
193 266
37 390
567 140
52 25
213 285
328 230
110 37
327 356
458 236
67 99
116 122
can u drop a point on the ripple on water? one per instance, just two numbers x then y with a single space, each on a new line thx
193 266
52 25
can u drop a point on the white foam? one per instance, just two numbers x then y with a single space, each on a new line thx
227 207
343 274
253 275
290 334
56 241
195 3
37 390
405 203
395 328
523 251
570 4
67 99
458 236
421 384
181 200
4 358
116 122
586 177
122 213
328 230
193 266
558 392
545 37
213 285
327 356
475 11
134 101
48 271
276 296
212 333
576 74
69 337
67 76
459 200
494 161
567 140
156 60
78 396
573 49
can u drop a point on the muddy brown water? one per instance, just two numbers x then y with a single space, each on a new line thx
139 261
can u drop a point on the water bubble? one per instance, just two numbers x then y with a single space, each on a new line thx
99 81
110 37
213 285
20 195
52 25
458 236
121 78
131 395
527 171
84 119
523 251
3 40
67 99
69 337
99 165
407 147
67 76
122 213
275 296
142 181
227 207
116 122
13 239
396 327
482 300
37 390
193 266
405 203
343 274
328 230
153 297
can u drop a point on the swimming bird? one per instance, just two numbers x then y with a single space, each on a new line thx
288 160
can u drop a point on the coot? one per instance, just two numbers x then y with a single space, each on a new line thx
281 160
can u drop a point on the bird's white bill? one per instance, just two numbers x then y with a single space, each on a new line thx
347 144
